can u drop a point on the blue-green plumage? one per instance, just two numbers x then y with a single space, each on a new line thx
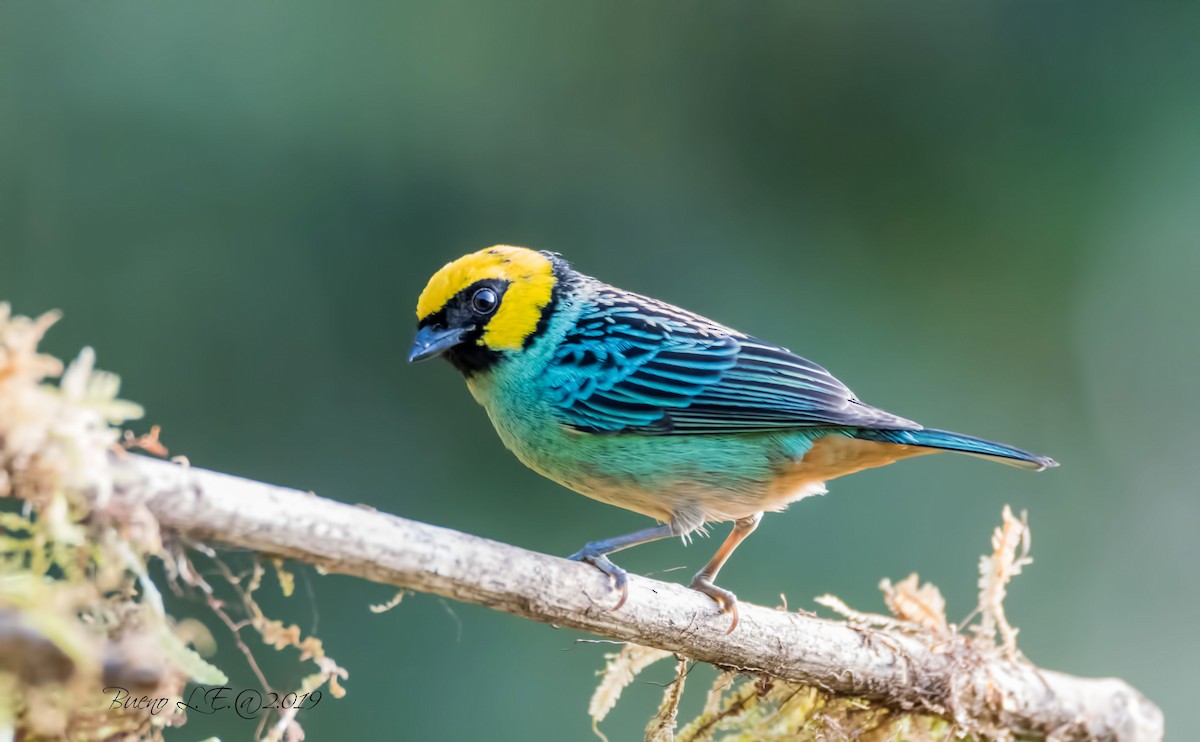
644 405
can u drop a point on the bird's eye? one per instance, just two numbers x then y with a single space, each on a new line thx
484 301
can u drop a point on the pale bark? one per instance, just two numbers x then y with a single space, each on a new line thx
905 670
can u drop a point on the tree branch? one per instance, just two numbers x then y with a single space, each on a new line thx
902 670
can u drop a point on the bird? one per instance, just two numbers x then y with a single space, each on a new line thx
649 407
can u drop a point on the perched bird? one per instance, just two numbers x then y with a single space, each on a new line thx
643 405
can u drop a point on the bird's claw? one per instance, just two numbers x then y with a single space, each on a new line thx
617 577
726 601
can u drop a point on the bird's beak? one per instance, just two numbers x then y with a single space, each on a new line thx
432 341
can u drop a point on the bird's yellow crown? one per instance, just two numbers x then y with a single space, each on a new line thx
530 276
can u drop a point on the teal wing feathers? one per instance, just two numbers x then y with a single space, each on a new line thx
632 364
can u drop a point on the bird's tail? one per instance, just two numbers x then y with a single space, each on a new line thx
960 443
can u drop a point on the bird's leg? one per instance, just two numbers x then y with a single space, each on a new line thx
596 554
703 581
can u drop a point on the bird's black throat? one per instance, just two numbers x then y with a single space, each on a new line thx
471 358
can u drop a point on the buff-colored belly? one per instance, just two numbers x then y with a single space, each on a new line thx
829 458
689 492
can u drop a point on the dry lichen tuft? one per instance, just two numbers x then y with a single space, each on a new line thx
619 671
1010 552
78 610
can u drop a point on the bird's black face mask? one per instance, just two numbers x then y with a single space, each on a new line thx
455 330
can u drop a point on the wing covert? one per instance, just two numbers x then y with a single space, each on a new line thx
632 364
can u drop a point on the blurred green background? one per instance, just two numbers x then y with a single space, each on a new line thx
984 216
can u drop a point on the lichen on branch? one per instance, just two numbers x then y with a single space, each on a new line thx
79 611
761 707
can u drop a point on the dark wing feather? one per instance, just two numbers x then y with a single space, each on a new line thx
635 365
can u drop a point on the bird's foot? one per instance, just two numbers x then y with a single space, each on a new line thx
726 600
616 576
